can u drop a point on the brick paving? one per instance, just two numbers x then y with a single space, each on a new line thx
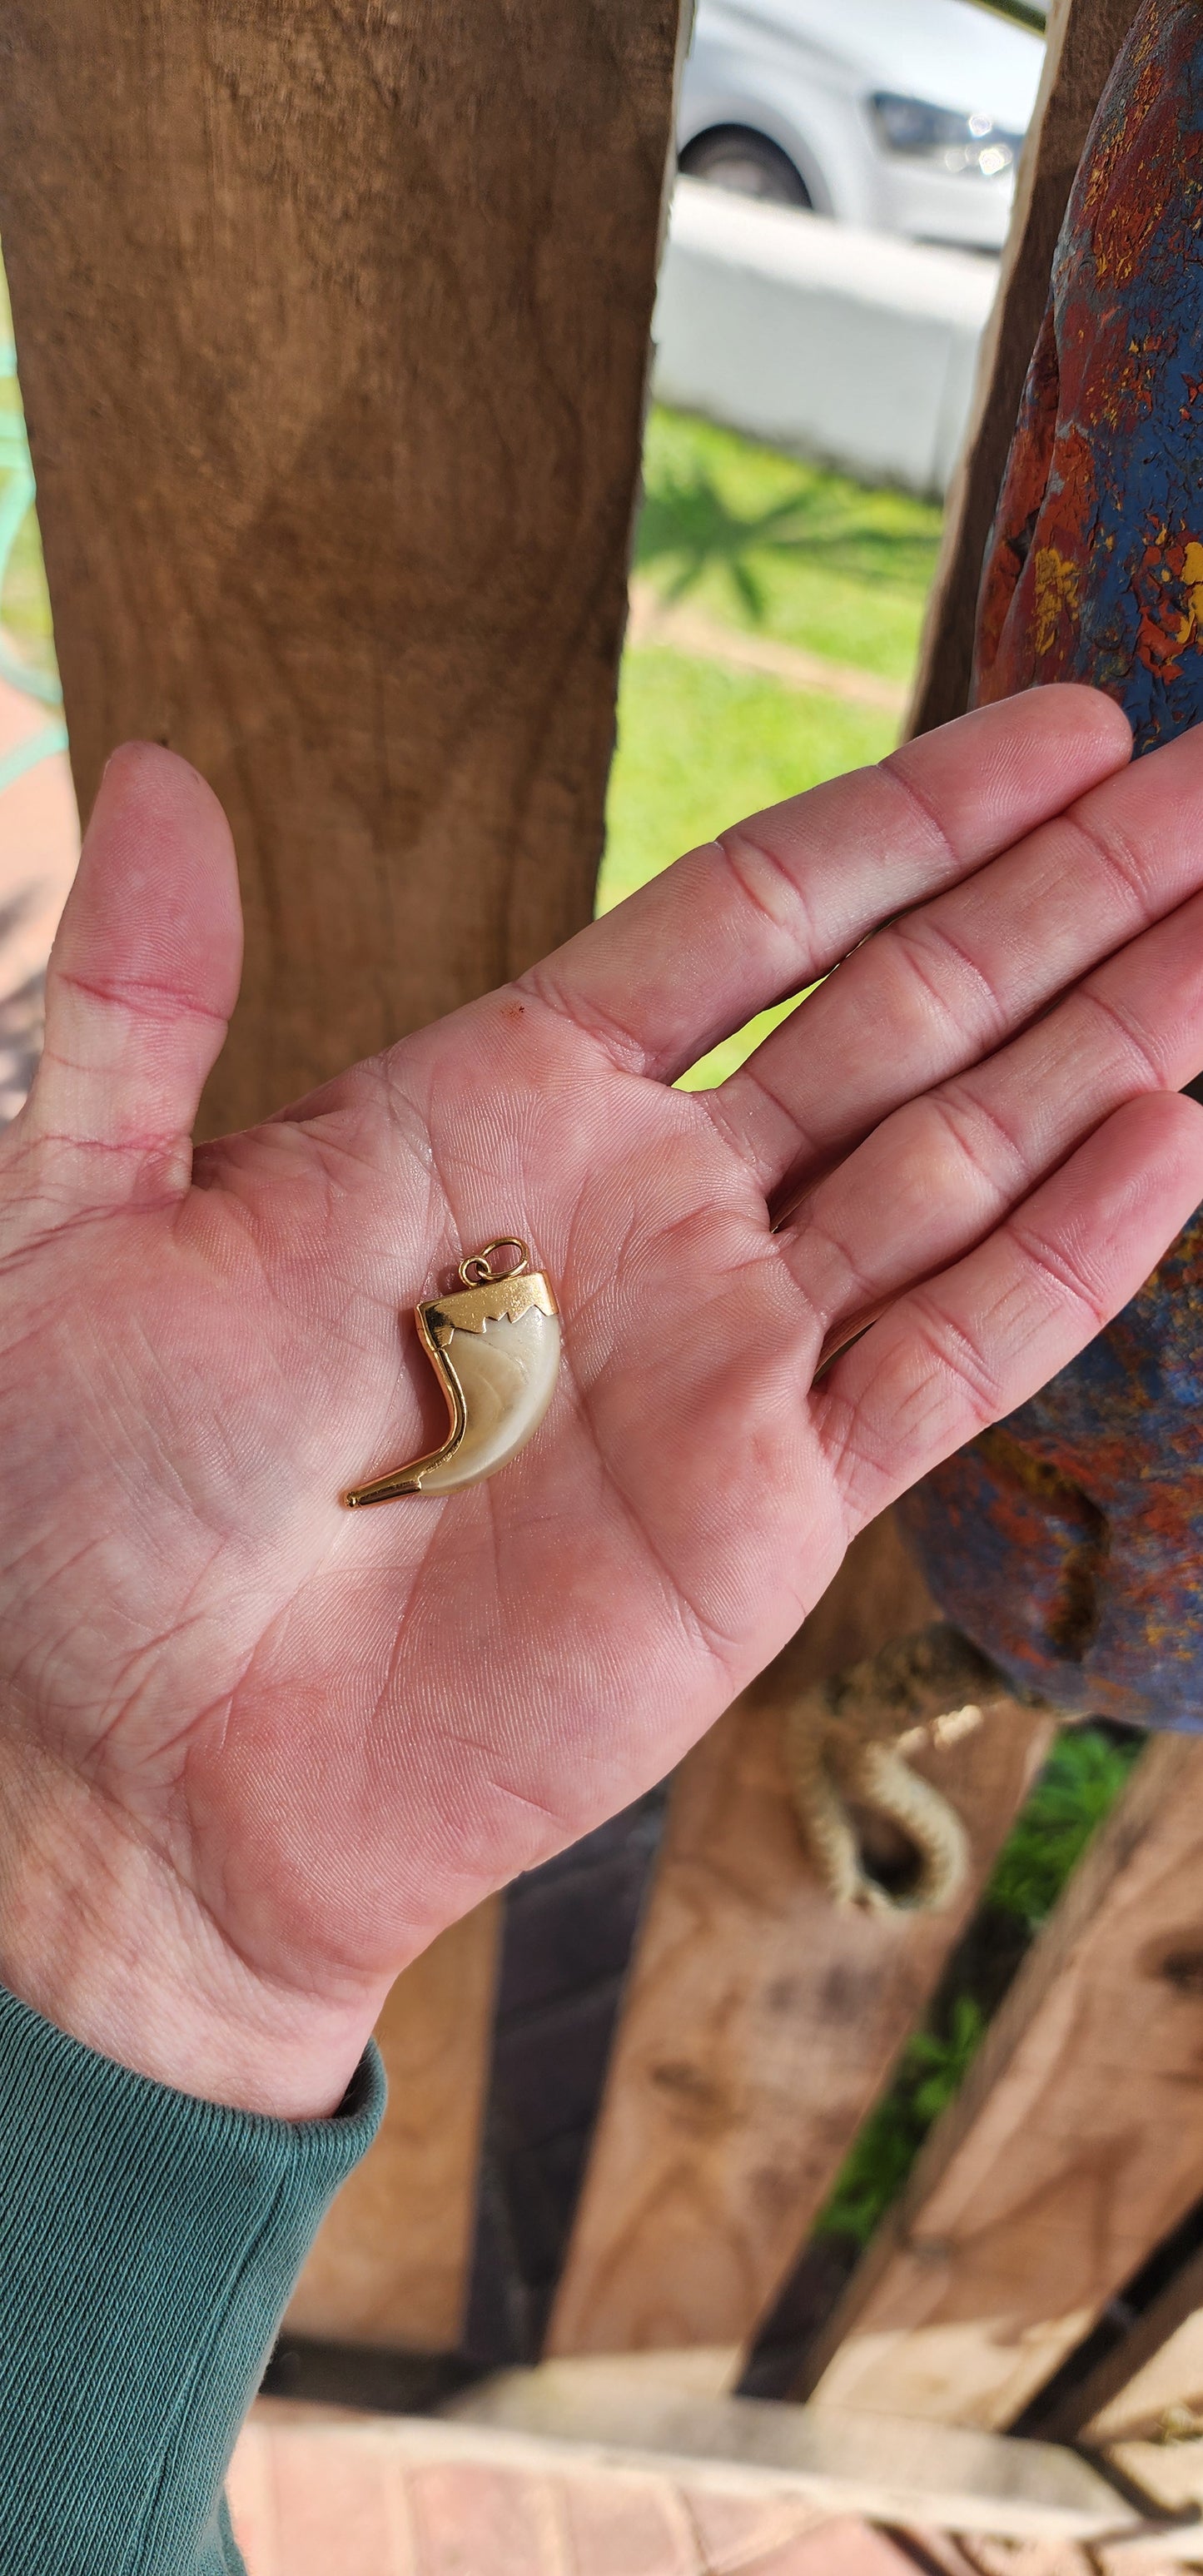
316 2496
317 2492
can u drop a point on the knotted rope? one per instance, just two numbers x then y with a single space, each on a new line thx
846 1742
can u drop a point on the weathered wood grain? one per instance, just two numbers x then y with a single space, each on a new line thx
390 2261
1075 2146
760 2022
333 333
1156 2383
621 2412
1170 2474
1084 37
1153 2373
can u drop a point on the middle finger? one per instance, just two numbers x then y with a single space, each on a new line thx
941 1172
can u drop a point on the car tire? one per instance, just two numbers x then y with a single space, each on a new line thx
735 157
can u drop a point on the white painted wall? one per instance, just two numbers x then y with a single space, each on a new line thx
852 347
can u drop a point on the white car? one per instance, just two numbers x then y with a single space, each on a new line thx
902 115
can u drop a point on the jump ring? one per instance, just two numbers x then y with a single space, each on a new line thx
477 1271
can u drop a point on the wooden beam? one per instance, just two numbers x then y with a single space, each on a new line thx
1154 2374
1084 37
390 2263
618 2415
1149 2387
333 330
1074 2148
761 2022
1170 2475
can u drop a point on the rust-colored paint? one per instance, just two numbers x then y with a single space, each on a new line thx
1069 1543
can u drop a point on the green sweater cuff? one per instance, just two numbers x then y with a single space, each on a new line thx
148 2246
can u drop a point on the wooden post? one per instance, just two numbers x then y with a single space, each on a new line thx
762 2021
1084 37
333 330
1074 2148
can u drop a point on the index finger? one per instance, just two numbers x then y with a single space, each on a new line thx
773 903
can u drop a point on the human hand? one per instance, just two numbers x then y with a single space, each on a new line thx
256 1749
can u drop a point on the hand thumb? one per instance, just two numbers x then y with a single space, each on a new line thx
142 979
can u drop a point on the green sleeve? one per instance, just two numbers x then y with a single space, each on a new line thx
148 2246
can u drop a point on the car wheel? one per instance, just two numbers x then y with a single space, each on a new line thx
746 163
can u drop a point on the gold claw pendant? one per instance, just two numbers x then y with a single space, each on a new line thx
494 1346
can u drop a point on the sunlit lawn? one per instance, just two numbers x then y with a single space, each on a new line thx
765 542
700 746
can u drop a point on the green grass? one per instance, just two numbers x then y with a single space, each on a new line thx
760 541
763 541
1077 1787
699 747
930 2072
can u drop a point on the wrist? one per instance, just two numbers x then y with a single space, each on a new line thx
100 1936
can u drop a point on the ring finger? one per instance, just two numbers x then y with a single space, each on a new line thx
938 1174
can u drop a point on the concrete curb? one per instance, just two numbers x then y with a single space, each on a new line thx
852 347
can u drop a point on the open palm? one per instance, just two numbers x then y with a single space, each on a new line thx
258 1749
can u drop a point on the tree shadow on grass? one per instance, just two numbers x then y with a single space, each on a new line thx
688 528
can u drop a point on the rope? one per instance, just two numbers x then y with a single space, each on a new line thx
845 1745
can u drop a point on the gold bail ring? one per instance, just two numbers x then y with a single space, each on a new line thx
478 1272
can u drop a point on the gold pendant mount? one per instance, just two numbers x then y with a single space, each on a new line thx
478 1269
494 1345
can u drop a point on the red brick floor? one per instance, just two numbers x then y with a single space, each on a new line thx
319 2496
315 2492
